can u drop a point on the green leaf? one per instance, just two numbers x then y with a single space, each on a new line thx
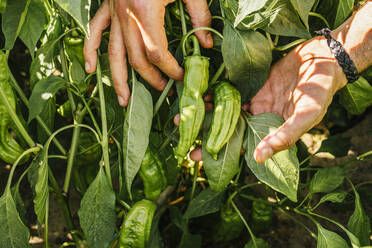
2 5
247 56
41 187
79 10
336 145
33 25
356 97
303 8
42 92
12 19
286 22
47 115
19 203
344 9
260 243
137 127
207 202
97 212
221 171
246 7
327 239
191 241
155 240
281 171
359 223
327 179
335 197
14 233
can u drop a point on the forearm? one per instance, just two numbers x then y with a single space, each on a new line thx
356 36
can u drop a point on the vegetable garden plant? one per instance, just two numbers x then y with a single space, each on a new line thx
63 133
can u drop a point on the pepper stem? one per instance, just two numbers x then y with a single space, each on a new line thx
196 46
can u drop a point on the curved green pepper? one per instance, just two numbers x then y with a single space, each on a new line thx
153 175
230 225
10 150
74 46
136 228
227 105
192 107
261 216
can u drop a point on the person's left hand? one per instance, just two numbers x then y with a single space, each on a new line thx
137 31
299 88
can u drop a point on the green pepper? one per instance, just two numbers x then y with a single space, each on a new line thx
74 46
191 105
153 175
10 150
261 216
227 105
2 5
136 227
230 225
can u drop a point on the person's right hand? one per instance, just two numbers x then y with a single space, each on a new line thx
137 31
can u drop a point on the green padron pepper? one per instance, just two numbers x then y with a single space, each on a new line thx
136 228
2 5
153 175
192 108
10 150
230 225
74 46
261 216
227 105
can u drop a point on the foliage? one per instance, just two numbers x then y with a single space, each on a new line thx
95 147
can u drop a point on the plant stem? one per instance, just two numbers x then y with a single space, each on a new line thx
23 97
183 19
14 116
65 75
163 96
320 17
298 222
106 157
245 223
289 45
218 73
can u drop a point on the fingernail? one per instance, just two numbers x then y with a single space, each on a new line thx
87 66
121 101
266 152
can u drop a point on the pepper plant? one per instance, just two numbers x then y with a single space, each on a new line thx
63 132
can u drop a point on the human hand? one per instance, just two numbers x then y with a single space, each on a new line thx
137 31
299 88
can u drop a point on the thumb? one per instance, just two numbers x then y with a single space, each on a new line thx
200 17
286 135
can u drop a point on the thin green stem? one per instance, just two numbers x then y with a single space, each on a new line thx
252 198
186 36
23 97
95 124
245 223
303 201
163 96
104 141
298 222
46 223
65 75
57 157
249 185
194 181
217 75
15 119
289 45
320 17
183 19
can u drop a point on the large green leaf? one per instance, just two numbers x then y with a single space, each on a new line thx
303 8
221 171
247 56
13 19
359 223
79 10
327 179
246 7
281 171
47 115
14 234
356 97
137 127
33 25
97 212
336 145
42 92
327 239
207 202
286 22
344 9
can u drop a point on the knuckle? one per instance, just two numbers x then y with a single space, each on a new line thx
138 5
135 63
114 51
154 55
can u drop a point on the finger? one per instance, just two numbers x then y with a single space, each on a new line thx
99 22
200 17
306 115
137 58
118 63
196 154
176 120
149 19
